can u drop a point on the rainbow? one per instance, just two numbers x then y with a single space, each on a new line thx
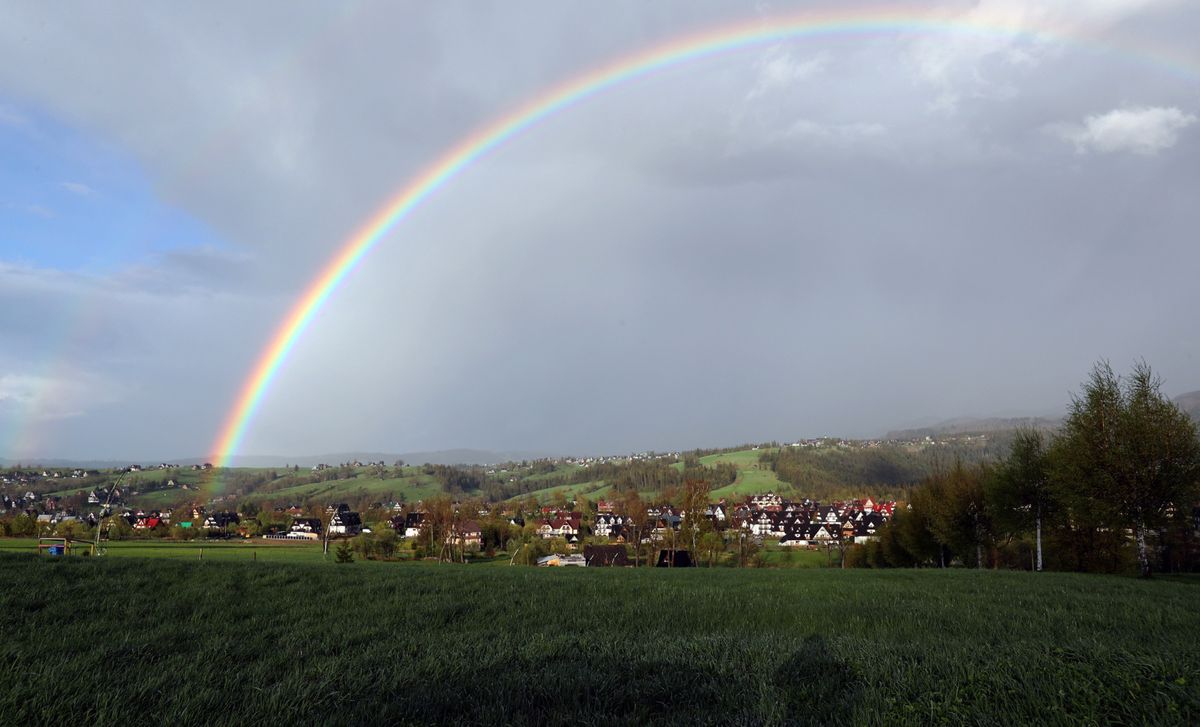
557 99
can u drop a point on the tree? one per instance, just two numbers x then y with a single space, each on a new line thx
957 510
635 519
694 510
1131 450
344 553
711 545
1020 492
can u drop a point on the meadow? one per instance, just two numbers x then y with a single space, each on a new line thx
109 640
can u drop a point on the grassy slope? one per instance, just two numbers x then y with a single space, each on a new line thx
753 478
193 642
414 487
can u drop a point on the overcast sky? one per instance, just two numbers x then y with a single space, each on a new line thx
835 235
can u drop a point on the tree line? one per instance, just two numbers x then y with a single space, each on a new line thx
1115 488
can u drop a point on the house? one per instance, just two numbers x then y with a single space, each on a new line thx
607 525
467 535
567 529
305 526
605 555
148 522
221 520
345 522
413 522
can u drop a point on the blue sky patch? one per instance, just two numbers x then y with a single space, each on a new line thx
72 201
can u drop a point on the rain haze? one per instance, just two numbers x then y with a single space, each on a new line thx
833 234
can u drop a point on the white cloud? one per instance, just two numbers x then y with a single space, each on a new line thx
9 117
777 68
78 188
844 133
1146 130
952 61
48 398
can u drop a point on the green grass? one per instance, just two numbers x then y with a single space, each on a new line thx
752 482
561 471
250 550
791 557
744 458
414 487
108 640
593 490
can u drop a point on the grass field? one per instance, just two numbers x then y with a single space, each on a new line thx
253 550
412 487
743 459
110 640
593 490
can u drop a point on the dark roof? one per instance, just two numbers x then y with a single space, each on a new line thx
349 519
605 555
681 558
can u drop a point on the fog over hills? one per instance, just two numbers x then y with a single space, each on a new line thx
1189 403
446 456
970 425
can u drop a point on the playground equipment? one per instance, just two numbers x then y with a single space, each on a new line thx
64 546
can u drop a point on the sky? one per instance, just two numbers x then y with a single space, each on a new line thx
833 235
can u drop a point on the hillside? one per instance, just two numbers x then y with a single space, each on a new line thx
967 425
818 469
1190 403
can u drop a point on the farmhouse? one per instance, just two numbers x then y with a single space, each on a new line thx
305 527
413 522
467 535
345 522
607 525
567 529
221 520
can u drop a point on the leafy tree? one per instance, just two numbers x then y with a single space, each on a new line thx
957 509
634 510
693 506
1131 451
711 546
1020 493
23 526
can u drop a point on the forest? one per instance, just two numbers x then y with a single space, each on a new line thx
1124 469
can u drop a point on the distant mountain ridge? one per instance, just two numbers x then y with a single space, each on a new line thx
1190 403
970 425
445 456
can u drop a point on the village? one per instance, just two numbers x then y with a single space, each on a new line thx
575 533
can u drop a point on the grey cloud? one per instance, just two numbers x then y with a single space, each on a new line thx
696 257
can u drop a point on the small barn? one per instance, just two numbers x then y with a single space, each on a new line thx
674 559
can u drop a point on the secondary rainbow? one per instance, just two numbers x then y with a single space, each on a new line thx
621 70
